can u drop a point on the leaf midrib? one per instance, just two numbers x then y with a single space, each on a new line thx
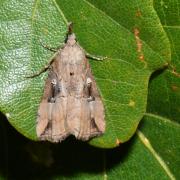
148 145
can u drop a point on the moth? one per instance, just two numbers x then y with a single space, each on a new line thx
71 103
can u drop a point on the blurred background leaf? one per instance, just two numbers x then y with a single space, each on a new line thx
136 159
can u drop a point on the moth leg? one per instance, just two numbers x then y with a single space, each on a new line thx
97 58
38 73
45 68
50 48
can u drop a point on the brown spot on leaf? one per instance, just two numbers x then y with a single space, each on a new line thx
138 13
141 57
118 142
139 44
131 103
174 88
176 73
138 41
173 70
166 64
136 32
45 31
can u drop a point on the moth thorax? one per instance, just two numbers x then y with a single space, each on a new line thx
71 39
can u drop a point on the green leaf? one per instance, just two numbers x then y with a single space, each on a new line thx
141 15
164 92
164 88
164 95
122 79
168 13
163 137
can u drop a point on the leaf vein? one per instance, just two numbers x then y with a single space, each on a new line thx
148 145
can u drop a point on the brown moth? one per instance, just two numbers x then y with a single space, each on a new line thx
71 103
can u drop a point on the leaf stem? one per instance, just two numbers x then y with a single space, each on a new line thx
146 142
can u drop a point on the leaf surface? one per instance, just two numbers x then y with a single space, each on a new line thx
122 78
23 26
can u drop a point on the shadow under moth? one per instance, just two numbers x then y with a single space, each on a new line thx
71 103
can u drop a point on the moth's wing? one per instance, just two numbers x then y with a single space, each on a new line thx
96 106
97 117
73 115
90 121
43 111
85 121
42 120
51 115
79 120
58 119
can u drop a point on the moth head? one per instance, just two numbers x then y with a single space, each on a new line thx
71 40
